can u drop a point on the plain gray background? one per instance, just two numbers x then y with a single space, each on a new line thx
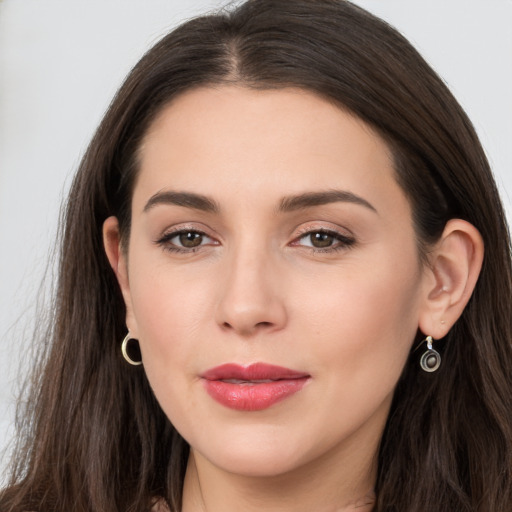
61 62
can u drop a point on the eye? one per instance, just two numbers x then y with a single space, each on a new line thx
324 240
188 239
319 239
185 240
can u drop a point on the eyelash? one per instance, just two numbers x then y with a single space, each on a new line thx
342 242
165 241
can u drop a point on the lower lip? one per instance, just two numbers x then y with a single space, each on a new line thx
253 396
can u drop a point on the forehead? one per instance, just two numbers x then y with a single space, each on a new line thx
256 143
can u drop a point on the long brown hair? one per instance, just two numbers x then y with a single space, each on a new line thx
96 439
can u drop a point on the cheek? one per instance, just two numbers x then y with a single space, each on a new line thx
169 314
365 319
168 321
169 305
357 337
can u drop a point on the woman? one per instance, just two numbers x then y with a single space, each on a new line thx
287 226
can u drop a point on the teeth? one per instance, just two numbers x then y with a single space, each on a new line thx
238 381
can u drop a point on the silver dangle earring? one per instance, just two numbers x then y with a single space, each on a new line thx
124 351
431 360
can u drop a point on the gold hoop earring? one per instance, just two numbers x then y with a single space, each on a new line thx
431 359
124 351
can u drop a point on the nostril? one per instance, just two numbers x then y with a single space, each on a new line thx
247 329
263 324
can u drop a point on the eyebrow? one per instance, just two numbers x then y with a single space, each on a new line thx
311 199
185 199
287 204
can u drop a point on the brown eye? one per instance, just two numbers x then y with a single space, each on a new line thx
185 241
321 240
324 241
190 239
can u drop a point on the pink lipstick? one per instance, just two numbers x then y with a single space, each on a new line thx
254 387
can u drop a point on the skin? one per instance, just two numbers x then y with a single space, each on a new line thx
256 289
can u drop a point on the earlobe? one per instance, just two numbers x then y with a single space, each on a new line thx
117 260
451 277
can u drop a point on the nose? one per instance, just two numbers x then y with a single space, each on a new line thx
251 295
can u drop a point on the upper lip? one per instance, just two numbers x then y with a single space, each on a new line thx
252 372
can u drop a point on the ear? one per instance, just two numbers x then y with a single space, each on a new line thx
118 261
450 277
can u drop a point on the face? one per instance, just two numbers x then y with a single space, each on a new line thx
272 277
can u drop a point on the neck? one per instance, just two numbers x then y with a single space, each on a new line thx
321 486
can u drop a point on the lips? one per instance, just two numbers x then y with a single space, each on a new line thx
254 387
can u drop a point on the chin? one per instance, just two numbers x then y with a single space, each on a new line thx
253 456
256 465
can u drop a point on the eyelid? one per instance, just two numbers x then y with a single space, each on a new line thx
164 240
326 227
344 240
